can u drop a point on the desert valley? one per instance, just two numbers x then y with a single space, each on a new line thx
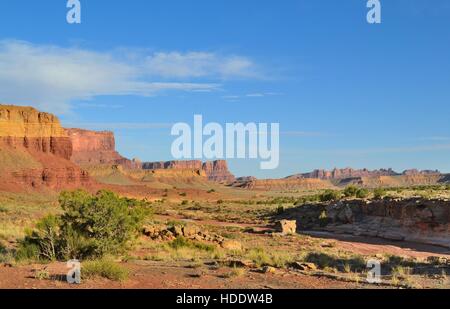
202 226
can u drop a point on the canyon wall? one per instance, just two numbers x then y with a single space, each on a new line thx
252 183
35 151
345 173
93 148
26 127
215 170
338 174
415 220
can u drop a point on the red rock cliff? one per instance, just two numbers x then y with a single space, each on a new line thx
92 147
215 170
218 171
35 151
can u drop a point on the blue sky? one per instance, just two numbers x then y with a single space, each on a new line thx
345 93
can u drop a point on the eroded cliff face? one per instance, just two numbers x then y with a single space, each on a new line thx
37 131
218 171
214 170
35 151
93 148
415 220
252 183
345 173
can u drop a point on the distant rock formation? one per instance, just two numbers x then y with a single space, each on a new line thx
93 148
218 171
415 172
173 165
35 151
252 183
339 174
345 173
215 170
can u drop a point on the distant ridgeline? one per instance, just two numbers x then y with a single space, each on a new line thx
214 170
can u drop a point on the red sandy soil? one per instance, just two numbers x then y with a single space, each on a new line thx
156 275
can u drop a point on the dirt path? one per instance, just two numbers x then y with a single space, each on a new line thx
154 275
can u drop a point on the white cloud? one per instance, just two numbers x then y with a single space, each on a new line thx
51 77
199 64
118 125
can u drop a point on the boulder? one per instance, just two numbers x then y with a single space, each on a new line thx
190 231
287 227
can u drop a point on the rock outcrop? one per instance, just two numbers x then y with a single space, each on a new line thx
173 165
415 220
252 183
35 151
94 148
286 227
28 128
215 170
338 174
218 171
345 173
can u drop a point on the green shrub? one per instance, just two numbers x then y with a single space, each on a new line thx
90 227
307 199
5 255
350 191
105 269
43 242
185 202
379 193
330 195
362 193
102 224
27 251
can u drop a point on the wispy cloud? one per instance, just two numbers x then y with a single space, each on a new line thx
255 95
199 64
250 95
51 77
118 125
